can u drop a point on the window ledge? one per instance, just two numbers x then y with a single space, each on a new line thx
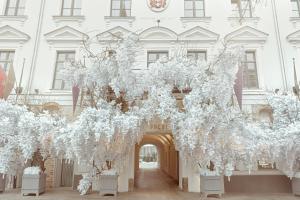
110 19
239 20
58 18
20 18
195 19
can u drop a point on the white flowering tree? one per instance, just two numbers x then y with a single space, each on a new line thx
23 136
119 102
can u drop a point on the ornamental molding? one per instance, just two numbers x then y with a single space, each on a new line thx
65 34
158 33
10 34
247 34
158 5
199 34
113 34
294 38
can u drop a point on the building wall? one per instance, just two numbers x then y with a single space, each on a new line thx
41 32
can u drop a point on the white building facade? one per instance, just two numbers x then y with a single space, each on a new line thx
42 35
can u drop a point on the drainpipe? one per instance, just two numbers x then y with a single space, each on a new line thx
279 45
36 47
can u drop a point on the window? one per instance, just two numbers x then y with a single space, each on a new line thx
295 8
61 59
6 59
194 8
250 70
14 7
120 8
197 55
71 8
153 57
241 8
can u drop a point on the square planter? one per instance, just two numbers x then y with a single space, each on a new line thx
108 184
33 184
2 182
296 186
212 185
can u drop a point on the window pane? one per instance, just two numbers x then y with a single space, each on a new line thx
61 57
77 11
188 4
251 66
163 55
77 4
116 4
202 56
22 3
188 13
199 5
12 3
66 12
294 5
250 56
21 11
115 13
67 4
10 11
127 4
199 13
11 56
152 57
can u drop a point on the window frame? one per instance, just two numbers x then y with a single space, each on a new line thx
157 55
72 8
16 8
194 8
240 9
197 52
298 6
7 61
245 63
119 9
62 87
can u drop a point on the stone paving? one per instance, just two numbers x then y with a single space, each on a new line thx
151 185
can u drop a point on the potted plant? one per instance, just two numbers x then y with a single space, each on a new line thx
108 181
33 181
211 182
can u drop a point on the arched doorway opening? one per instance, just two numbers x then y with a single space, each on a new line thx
164 174
148 157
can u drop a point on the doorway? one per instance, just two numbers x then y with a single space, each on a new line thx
148 157
156 163
67 169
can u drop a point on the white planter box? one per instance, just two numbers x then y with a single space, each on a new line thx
212 185
33 184
108 184
296 186
2 182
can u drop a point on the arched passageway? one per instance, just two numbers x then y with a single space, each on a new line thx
163 176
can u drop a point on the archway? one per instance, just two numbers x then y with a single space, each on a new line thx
163 176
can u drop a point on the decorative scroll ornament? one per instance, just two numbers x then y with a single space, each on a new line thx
158 5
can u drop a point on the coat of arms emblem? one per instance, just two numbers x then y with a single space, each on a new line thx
158 5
